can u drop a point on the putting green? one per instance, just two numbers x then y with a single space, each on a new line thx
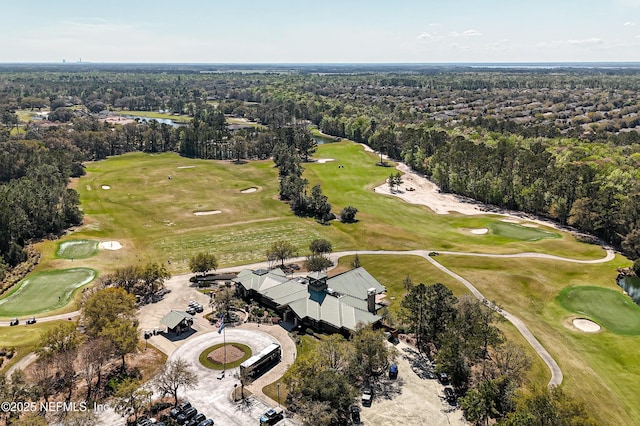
610 309
77 249
44 291
518 232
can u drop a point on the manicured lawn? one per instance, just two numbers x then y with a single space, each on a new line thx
611 309
44 292
24 338
519 232
155 114
77 249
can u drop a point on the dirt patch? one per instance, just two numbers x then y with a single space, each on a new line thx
207 213
233 354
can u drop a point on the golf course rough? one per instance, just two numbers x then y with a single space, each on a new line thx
44 291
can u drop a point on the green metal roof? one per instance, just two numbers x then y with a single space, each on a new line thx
173 318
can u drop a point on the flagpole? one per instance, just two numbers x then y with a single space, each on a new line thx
224 347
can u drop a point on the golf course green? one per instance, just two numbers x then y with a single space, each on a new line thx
610 309
77 249
44 291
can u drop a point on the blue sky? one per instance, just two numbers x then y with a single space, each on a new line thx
326 31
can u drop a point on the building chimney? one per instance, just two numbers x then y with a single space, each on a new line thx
371 300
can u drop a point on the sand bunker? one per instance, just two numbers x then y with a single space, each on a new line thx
186 167
586 325
324 160
480 231
249 190
207 213
105 187
110 245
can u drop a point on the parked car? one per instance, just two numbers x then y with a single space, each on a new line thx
186 415
272 416
199 308
31 320
14 321
443 378
179 409
208 422
393 371
197 419
367 397
355 414
450 395
191 311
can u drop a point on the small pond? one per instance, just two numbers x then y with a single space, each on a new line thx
322 139
168 121
632 286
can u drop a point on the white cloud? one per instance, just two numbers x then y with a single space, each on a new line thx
424 36
574 42
629 24
471 33
592 40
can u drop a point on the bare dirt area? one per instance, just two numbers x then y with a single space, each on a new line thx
413 399
233 353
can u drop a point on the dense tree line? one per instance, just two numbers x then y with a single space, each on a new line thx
35 199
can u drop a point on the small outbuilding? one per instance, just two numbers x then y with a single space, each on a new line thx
177 321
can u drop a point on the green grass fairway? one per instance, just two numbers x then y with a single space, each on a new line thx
612 310
44 292
25 338
513 231
77 249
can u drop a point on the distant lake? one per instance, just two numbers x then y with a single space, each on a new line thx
322 139
632 286
168 121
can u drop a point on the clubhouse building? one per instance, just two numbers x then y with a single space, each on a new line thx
333 305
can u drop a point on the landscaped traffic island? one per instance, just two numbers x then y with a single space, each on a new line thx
215 358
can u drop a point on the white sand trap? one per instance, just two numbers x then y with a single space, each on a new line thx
186 167
586 325
249 190
480 231
324 160
110 245
105 187
207 213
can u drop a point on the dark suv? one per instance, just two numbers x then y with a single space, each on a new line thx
186 415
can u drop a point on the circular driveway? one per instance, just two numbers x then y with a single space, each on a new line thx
211 396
